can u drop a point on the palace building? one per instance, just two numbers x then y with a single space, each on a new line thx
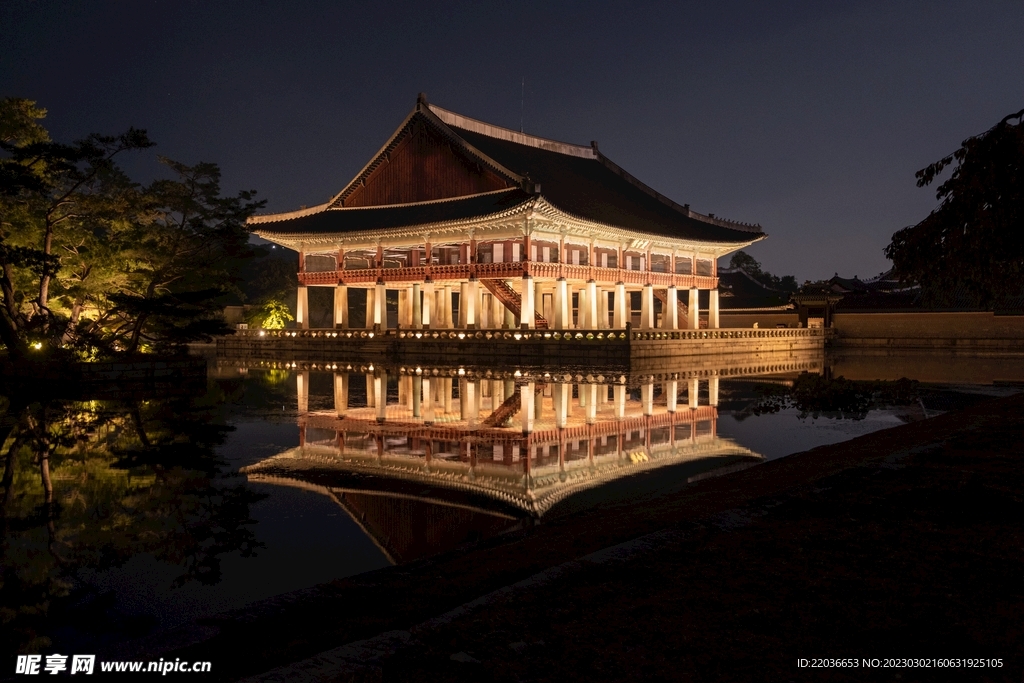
482 227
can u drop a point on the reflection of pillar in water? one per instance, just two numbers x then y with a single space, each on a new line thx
468 400
417 388
447 382
671 390
380 393
341 393
590 391
538 404
620 401
713 391
647 398
405 391
560 394
693 393
510 387
302 391
428 402
369 391
526 398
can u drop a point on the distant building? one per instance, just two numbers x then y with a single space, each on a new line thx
527 232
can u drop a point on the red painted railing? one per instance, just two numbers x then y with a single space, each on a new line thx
507 270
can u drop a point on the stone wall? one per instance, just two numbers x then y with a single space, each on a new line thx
971 333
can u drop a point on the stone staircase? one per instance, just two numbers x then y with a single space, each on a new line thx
512 301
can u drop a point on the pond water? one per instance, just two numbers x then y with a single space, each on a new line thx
128 517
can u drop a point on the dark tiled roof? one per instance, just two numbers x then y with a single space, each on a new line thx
739 290
398 216
594 190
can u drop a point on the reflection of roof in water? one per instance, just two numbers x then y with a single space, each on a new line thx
404 526
533 493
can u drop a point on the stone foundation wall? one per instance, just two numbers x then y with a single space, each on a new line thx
958 333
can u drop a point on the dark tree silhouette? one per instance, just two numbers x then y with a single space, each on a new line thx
972 244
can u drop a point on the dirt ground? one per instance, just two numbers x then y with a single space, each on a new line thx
905 543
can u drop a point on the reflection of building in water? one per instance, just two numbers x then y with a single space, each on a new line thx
504 447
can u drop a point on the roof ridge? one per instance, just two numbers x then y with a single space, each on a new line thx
457 120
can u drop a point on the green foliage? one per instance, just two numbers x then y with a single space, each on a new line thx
270 315
972 244
93 263
748 264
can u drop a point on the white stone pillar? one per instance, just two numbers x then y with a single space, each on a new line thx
380 306
562 312
527 317
526 397
713 310
417 307
341 307
592 306
713 391
478 315
302 392
647 308
428 305
448 321
404 309
693 310
341 393
371 307
538 302
694 393
302 308
602 309
621 311
472 304
463 289
671 390
670 315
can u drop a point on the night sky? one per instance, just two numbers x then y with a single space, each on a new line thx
807 117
